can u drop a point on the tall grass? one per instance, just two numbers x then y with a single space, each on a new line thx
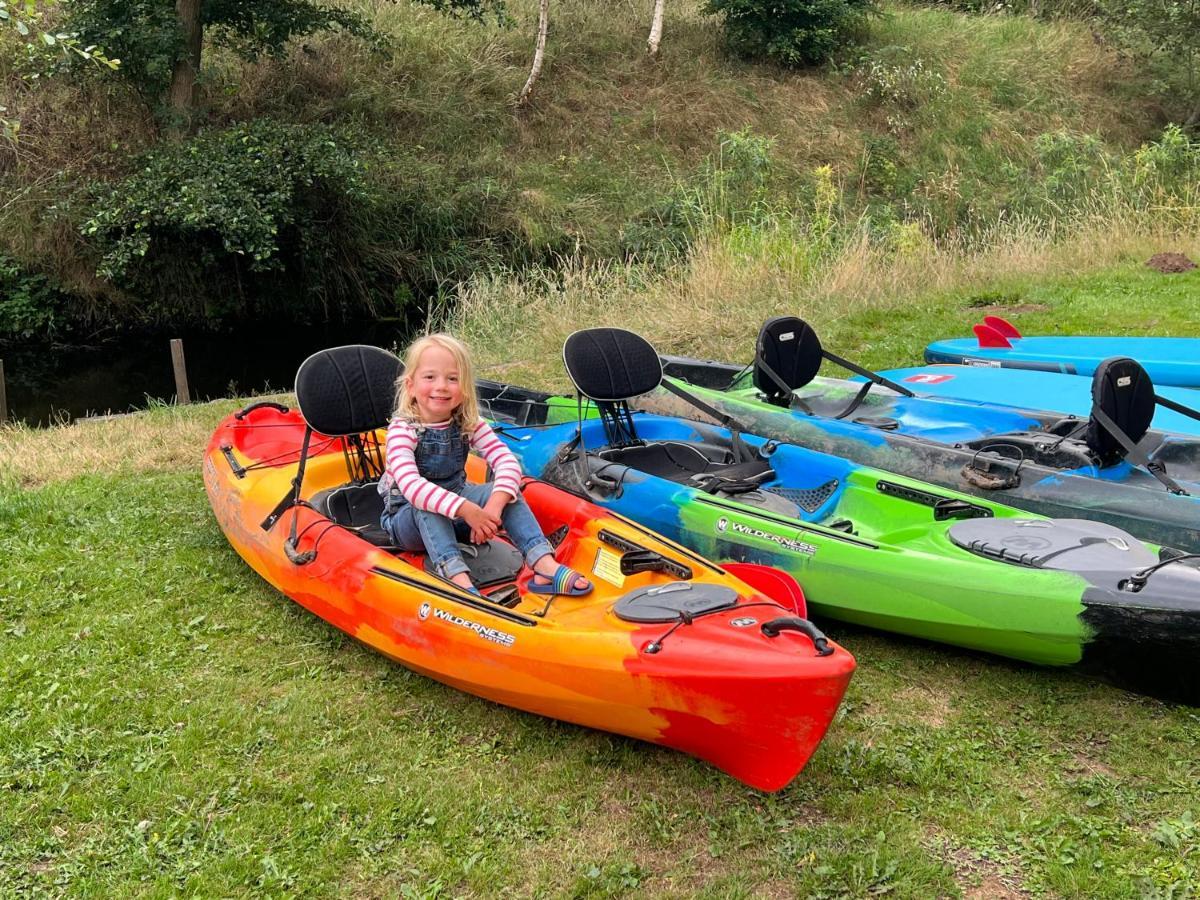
711 302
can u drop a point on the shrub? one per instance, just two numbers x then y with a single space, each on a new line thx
30 306
790 32
197 218
291 221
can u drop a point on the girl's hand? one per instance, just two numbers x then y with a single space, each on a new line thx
495 504
484 523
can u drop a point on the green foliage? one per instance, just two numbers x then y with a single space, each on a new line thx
292 220
196 218
1169 29
731 187
238 189
30 306
147 36
901 83
790 32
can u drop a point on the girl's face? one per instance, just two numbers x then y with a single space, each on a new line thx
434 384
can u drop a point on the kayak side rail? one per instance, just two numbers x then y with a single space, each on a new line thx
463 598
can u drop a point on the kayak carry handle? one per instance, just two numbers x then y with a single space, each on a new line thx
269 404
295 556
795 623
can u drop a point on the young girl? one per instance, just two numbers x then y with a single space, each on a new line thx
425 489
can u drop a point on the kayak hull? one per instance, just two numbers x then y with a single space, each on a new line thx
1029 389
754 706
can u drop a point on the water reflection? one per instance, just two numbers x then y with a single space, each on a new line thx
58 384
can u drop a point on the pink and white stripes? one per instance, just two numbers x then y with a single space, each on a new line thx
423 494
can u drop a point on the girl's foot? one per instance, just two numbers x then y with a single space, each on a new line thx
546 569
463 580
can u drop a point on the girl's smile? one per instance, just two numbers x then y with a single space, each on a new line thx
435 384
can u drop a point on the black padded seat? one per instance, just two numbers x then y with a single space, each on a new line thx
792 350
611 364
357 507
496 562
672 460
348 390
1123 390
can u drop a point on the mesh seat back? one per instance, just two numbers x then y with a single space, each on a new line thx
792 350
347 390
1124 391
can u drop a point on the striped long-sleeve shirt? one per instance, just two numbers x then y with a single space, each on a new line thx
422 493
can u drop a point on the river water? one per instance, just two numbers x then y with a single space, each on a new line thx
49 385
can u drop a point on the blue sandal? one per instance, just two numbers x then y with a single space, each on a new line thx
563 581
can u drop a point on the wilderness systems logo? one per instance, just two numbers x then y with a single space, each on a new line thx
724 526
503 638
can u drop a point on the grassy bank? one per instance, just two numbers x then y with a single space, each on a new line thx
936 121
170 724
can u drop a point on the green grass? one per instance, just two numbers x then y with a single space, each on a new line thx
170 724
1129 299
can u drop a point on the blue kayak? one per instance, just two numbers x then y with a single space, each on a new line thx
1168 360
1028 389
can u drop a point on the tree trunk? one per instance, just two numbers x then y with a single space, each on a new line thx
656 28
539 52
181 97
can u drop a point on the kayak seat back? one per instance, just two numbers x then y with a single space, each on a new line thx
348 390
1123 392
611 366
787 357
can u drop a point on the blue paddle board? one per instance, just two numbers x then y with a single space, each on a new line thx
1168 360
1029 389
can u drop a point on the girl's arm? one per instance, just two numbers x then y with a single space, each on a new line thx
506 469
402 466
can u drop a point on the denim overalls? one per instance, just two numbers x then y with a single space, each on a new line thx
442 458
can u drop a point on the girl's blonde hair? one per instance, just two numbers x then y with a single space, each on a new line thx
467 412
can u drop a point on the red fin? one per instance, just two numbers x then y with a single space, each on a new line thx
990 337
779 586
1005 327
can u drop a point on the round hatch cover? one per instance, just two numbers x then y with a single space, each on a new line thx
665 602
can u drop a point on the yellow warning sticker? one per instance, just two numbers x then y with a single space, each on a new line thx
608 567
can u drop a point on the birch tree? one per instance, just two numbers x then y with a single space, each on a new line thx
656 26
539 52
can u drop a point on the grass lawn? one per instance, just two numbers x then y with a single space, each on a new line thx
169 724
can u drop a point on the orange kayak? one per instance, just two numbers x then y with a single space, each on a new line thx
668 648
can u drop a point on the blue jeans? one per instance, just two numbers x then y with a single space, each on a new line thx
415 529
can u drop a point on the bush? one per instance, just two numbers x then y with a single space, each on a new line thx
790 32
200 218
287 221
30 306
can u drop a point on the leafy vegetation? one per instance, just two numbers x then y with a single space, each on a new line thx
791 32
933 131
30 306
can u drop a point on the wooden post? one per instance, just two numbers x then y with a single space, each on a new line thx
3 396
181 384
